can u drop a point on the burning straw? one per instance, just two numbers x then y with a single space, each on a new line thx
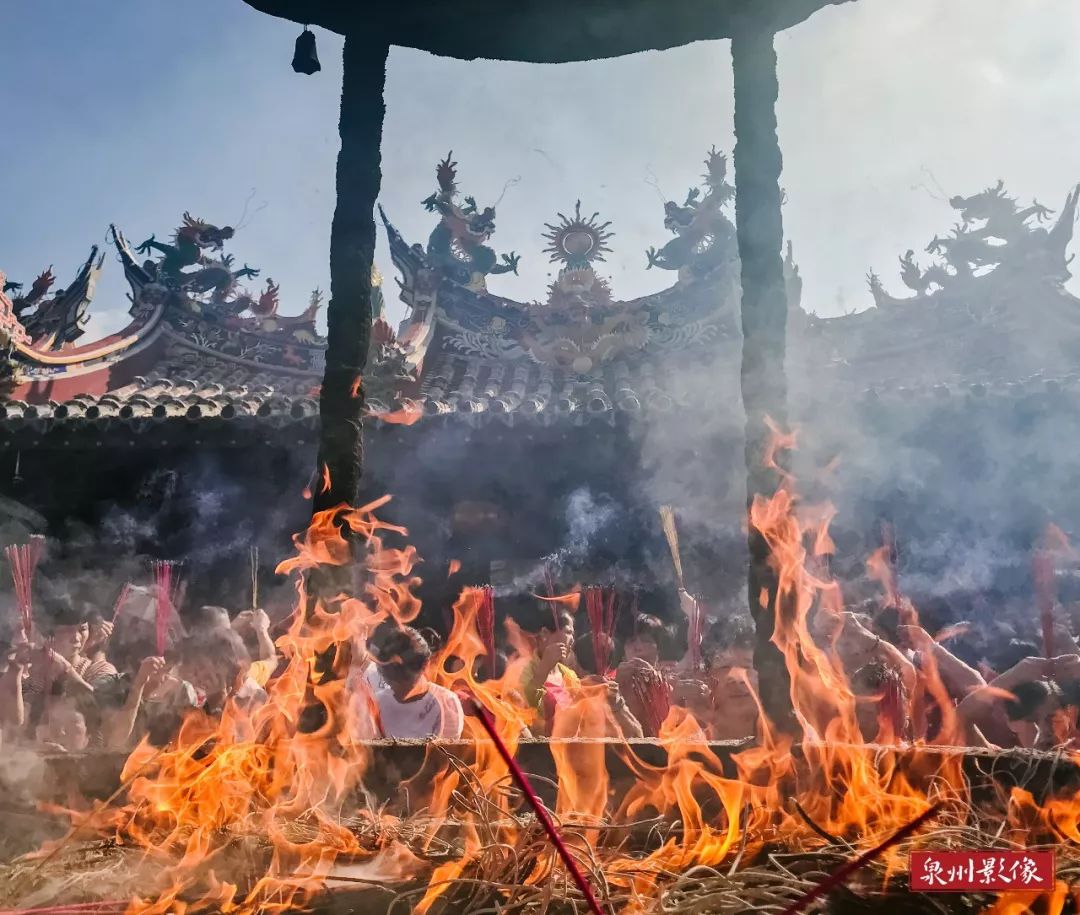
542 815
255 779
841 875
23 559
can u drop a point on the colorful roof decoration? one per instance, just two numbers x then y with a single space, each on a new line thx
206 342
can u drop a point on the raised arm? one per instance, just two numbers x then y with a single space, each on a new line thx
958 677
119 726
12 707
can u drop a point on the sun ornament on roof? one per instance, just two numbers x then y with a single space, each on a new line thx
579 242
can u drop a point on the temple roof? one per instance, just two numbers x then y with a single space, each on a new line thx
988 314
543 31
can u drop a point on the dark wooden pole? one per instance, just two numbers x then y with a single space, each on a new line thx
352 252
764 324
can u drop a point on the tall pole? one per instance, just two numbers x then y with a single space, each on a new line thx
760 233
352 253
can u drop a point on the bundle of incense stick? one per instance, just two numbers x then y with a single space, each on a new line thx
667 520
655 699
168 591
695 634
121 599
253 553
549 581
600 607
23 559
485 625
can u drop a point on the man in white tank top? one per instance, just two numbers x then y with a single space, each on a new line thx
395 689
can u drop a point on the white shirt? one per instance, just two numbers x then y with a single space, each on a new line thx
437 713
369 673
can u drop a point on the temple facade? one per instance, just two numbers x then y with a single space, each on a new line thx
494 421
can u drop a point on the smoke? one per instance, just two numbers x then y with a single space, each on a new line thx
967 478
202 510
589 520
586 516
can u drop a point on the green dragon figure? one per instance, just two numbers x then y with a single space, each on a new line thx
705 235
191 242
456 245
994 236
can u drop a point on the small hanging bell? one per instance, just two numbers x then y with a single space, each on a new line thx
305 58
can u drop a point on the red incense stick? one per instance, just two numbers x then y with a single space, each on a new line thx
538 808
600 608
23 559
162 604
652 692
121 599
117 906
842 873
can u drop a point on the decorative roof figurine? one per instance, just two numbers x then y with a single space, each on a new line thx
580 327
578 353
705 237
54 323
456 245
195 244
994 238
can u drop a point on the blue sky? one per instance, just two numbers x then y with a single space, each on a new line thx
134 111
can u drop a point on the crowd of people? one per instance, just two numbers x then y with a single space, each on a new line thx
84 682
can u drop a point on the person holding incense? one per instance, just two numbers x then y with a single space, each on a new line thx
216 663
1014 708
211 668
253 626
123 709
58 667
411 706
550 680
99 631
647 640
722 697
13 663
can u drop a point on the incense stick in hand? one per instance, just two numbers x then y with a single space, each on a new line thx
667 521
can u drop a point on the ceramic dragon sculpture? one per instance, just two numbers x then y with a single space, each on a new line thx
704 236
196 244
457 244
994 236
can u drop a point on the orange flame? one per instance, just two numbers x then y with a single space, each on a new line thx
261 771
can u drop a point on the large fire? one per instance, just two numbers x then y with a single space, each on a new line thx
265 810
